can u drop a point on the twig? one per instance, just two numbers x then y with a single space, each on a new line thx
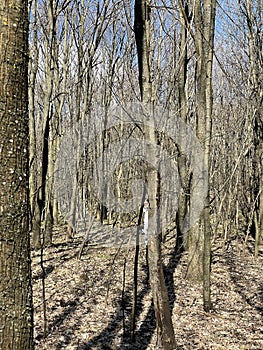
86 237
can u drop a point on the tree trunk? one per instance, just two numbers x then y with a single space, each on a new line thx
33 163
199 246
165 331
185 176
16 324
255 41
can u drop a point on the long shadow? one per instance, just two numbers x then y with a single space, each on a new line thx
48 270
256 301
108 334
69 307
116 323
148 326
146 330
58 248
65 253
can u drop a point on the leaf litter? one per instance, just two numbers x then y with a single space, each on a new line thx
89 301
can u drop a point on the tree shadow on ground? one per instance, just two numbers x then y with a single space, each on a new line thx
254 300
60 251
48 270
69 307
145 332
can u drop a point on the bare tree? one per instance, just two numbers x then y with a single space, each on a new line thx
254 20
237 131
165 331
199 245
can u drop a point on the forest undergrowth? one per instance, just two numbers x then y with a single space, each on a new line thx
88 301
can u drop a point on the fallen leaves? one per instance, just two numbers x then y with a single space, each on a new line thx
85 301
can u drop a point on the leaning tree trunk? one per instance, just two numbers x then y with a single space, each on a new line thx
165 331
16 324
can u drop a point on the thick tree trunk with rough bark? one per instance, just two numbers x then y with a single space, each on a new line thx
15 282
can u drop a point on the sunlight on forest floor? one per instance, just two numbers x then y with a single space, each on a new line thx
85 299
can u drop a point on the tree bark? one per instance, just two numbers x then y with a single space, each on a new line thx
185 175
16 324
253 11
165 331
33 163
199 245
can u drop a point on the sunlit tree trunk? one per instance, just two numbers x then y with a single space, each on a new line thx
184 172
48 116
199 245
40 138
33 183
165 331
15 282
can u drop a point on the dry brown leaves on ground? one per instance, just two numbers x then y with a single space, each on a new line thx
88 301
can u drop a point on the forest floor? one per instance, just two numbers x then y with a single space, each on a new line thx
88 304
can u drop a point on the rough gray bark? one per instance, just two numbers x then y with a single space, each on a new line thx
16 325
